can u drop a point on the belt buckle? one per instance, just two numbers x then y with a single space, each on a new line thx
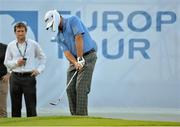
20 73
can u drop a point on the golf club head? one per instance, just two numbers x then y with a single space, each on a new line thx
52 104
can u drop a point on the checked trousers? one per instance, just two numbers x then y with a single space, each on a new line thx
80 86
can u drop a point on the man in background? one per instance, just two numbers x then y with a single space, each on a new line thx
20 60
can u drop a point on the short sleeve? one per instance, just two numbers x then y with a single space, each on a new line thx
77 26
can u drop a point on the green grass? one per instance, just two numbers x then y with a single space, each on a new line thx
79 121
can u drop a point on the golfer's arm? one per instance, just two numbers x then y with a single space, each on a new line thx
79 45
70 57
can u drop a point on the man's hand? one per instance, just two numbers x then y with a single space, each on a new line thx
21 62
35 73
80 63
78 66
5 78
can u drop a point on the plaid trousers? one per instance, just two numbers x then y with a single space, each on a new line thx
80 86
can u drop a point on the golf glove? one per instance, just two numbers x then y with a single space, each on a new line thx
81 61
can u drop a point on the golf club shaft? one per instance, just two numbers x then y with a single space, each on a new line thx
62 94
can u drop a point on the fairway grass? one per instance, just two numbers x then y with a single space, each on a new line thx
79 121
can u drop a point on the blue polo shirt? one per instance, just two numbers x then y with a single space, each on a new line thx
73 26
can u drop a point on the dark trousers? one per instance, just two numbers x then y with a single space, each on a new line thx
80 86
23 85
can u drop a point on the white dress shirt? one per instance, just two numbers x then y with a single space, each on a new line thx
35 56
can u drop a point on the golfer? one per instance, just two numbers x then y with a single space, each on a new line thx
80 50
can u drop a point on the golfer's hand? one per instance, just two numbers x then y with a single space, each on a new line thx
81 61
78 66
35 73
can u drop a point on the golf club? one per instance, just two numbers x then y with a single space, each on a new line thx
62 94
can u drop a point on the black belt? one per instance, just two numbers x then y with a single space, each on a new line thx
88 52
22 73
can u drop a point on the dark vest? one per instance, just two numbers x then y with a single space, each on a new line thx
3 69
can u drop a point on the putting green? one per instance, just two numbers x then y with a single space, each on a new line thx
79 121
